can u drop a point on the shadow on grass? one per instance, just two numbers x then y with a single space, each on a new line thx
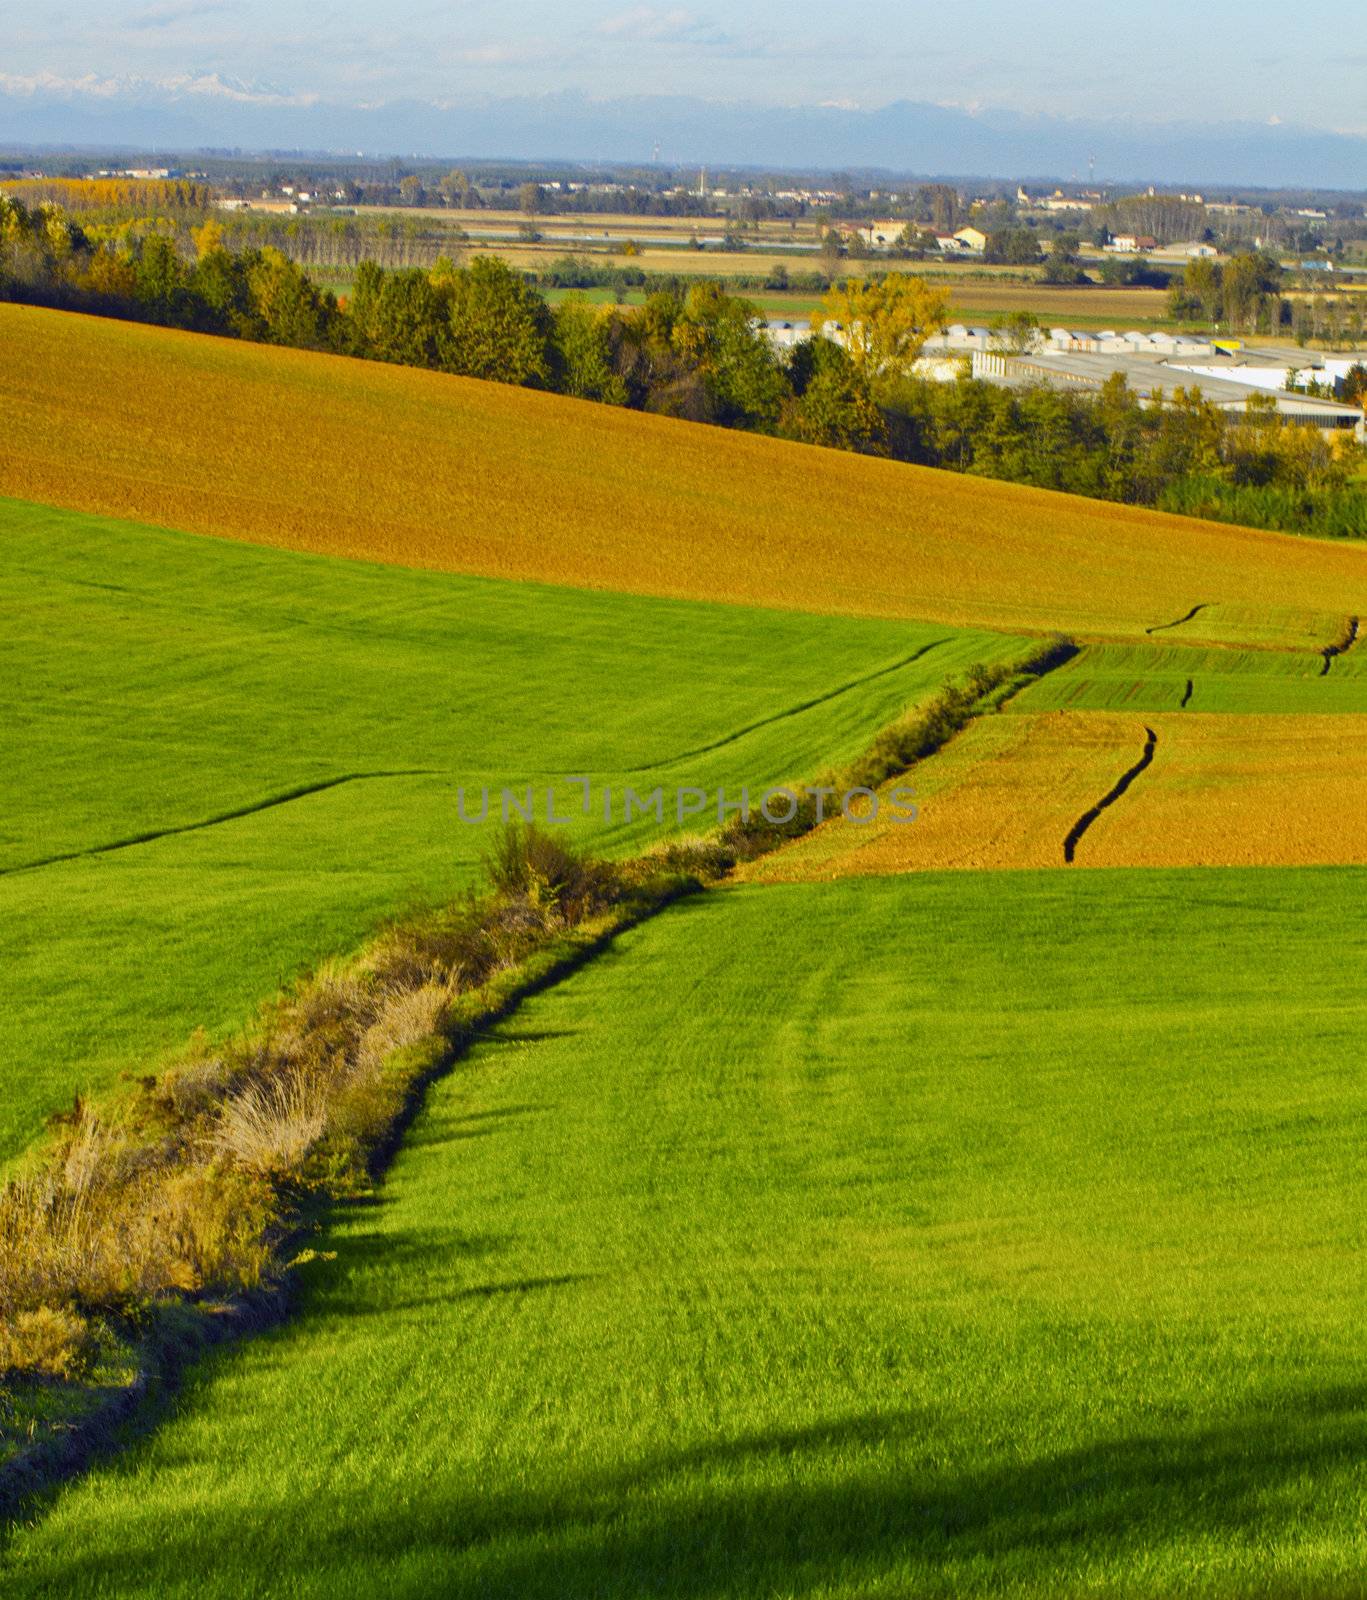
1246 1506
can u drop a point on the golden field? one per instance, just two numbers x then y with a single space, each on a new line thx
1222 790
356 459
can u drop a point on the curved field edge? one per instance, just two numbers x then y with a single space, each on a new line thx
155 1224
161 680
194 1185
1004 1248
381 463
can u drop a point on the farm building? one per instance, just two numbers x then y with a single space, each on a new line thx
1154 373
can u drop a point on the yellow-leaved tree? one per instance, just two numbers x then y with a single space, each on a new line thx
882 323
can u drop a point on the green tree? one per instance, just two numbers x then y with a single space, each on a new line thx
1016 332
499 328
291 309
831 404
1063 265
159 277
721 337
1017 247
1249 285
584 349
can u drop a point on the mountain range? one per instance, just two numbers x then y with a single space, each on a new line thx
206 110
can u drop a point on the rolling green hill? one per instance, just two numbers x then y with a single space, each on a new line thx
291 732
959 1235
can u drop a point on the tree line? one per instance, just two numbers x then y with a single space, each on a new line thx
698 352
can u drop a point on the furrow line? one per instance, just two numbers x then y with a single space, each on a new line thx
1087 818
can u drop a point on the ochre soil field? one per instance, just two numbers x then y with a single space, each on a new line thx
1053 304
1220 790
358 459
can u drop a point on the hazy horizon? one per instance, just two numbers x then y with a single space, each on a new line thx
905 87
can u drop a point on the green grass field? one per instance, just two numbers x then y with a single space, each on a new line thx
942 1234
960 1235
160 681
1156 678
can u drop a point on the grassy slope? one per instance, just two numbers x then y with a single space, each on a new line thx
1007 1246
158 680
1155 677
355 459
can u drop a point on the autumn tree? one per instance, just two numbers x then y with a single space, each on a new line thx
883 323
208 237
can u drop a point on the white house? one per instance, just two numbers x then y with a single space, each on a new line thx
883 235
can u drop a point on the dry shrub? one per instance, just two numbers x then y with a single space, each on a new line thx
447 946
48 1342
543 870
270 1127
692 856
203 1227
405 1017
192 1194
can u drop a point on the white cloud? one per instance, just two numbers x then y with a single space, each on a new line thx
207 85
175 12
659 25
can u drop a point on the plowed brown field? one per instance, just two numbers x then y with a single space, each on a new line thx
1220 791
357 459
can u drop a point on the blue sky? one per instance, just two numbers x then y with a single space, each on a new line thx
1209 60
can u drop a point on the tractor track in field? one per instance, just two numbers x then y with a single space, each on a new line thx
1160 627
1332 650
791 711
1113 794
153 834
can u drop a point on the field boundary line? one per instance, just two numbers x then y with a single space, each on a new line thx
150 837
1113 794
1331 650
792 711
1159 627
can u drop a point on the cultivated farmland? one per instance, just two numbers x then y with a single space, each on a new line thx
227 762
347 458
1024 791
935 1233
1006 1247
1175 677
